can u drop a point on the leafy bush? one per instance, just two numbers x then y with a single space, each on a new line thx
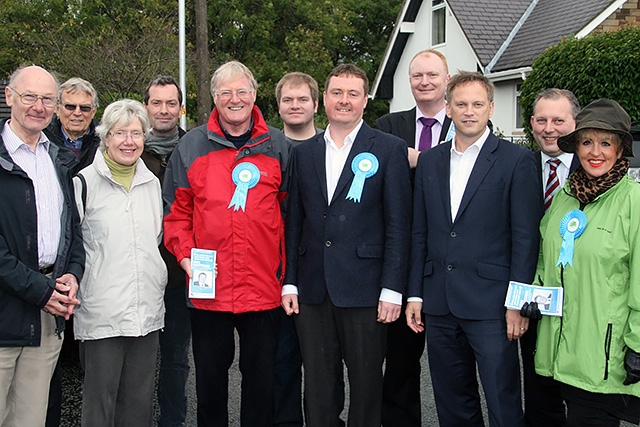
603 65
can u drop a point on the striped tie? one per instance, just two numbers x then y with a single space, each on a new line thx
552 183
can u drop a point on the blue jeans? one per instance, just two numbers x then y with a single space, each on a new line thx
174 359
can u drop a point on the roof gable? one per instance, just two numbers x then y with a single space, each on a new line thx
487 23
549 22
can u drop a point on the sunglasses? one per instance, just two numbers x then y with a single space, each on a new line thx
83 108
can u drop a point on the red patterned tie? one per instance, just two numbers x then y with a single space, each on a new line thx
425 135
552 182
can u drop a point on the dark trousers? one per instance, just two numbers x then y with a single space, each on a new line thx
543 403
288 376
328 335
174 359
454 347
582 415
401 404
118 380
212 335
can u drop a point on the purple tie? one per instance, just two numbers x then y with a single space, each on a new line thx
425 136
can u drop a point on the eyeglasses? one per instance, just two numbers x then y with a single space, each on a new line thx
122 135
32 98
83 108
226 95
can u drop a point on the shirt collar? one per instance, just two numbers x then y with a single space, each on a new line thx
439 116
348 141
565 158
479 143
13 142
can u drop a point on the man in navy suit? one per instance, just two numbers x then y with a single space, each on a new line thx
347 241
428 77
477 207
554 115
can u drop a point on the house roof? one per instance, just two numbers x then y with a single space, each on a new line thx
549 22
504 34
487 23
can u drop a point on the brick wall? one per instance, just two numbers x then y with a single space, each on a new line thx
628 14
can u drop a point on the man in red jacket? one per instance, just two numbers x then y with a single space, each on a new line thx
223 188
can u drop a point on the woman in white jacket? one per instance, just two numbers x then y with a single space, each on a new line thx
121 293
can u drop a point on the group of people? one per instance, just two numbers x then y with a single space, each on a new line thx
349 246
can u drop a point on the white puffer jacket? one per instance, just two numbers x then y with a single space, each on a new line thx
121 293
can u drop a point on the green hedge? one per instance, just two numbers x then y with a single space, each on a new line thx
603 65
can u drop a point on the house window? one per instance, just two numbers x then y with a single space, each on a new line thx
519 118
438 20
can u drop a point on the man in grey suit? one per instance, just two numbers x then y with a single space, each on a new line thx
347 238
428 77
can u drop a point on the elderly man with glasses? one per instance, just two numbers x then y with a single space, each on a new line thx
74 127
41 253
222 191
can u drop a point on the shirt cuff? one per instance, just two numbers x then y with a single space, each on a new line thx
390 296
414 299
289 290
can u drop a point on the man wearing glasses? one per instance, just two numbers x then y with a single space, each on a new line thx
41 252
74 127
222 191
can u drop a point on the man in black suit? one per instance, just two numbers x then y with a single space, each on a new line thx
554 115
475 228
347 241
428 77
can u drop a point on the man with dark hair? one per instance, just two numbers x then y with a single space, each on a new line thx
554 115
41 253
74 127
347 246
477 208
163 100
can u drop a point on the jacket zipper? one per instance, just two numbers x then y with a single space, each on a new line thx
607 350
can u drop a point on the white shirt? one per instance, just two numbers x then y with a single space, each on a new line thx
48 194
562 170
335 159
461 166
436 129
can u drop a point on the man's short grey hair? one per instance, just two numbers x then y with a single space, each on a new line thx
232 70
76 84
555 93
122 112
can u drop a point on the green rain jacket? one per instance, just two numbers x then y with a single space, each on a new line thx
585 347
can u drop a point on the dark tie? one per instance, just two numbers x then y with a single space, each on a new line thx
552 182
425 136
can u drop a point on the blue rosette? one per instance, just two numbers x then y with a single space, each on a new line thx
572 226
364 166
245 176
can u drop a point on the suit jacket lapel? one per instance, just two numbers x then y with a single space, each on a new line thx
443 172
445 129
409 127
319 154
483 164
361 144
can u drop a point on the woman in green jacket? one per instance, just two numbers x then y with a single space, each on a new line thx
590 246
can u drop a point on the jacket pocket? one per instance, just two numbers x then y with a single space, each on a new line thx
607 350
493 271
366 250
428 268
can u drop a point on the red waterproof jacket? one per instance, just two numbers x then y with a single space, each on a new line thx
197 191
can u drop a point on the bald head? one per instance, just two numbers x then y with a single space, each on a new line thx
29 117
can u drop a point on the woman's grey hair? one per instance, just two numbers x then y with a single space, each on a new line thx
122 112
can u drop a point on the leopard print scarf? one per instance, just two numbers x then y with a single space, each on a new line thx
586 189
